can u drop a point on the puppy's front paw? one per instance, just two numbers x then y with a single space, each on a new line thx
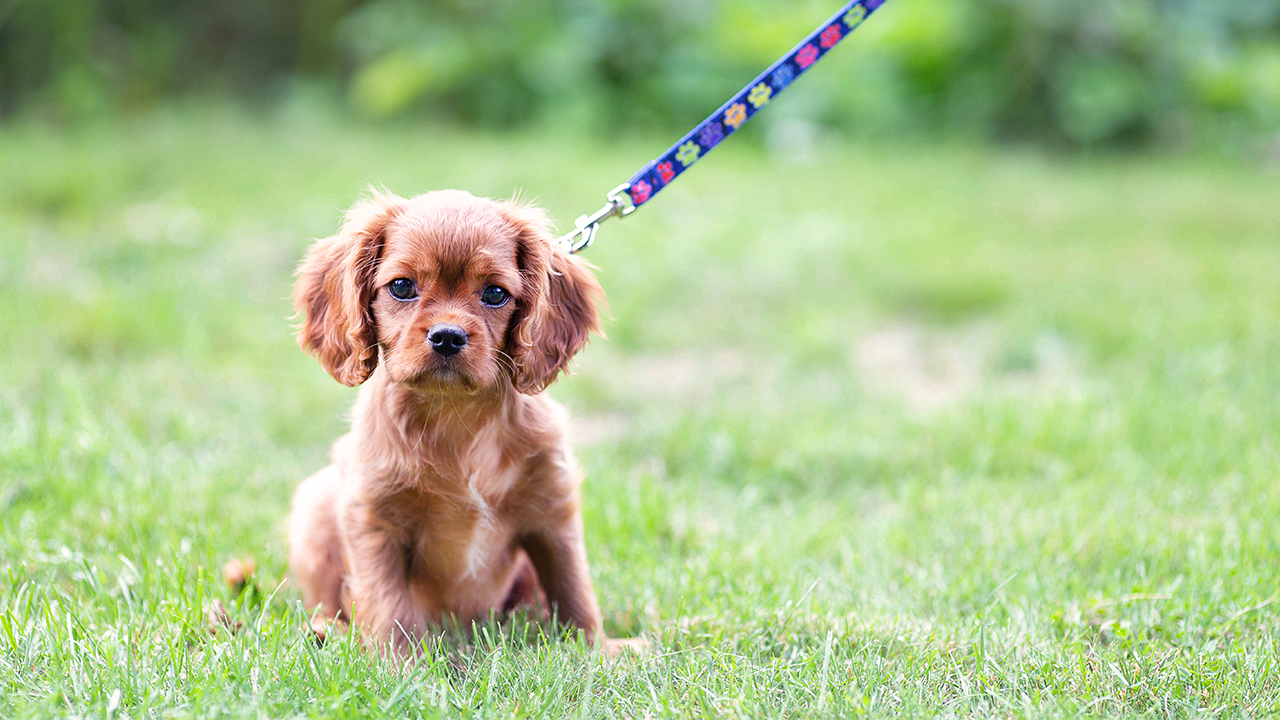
320 629
617 647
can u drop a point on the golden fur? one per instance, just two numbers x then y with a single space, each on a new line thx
455 493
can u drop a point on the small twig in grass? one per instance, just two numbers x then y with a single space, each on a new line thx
218 619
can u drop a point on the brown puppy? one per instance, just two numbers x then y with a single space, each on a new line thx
455 493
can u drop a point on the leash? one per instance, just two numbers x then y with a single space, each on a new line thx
652 178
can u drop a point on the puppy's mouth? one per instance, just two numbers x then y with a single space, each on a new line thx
443 379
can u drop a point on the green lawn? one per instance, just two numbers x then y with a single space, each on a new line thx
927 430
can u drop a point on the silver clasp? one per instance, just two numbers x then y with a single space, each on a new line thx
585 227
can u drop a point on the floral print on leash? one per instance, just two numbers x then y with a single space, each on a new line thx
755 96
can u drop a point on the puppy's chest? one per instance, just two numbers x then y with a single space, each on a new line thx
463 524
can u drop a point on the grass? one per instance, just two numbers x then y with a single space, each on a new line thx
925 430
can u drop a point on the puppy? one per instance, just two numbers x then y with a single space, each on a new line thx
455 493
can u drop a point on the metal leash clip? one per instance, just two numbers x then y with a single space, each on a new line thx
586 226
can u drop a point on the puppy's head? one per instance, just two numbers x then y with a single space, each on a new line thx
450 292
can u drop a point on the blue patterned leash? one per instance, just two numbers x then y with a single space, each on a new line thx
652 178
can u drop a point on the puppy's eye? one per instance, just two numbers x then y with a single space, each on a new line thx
402 289
494 296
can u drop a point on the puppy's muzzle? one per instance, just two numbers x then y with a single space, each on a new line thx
446 339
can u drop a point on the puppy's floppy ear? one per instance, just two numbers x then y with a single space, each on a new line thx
335 287
560 307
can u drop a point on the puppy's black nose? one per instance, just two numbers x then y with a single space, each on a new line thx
447 339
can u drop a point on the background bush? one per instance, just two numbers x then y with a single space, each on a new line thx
1112 72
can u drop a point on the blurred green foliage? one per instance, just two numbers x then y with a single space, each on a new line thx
1129 72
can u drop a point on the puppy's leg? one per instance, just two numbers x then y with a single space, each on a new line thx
560 558
315 552
378 582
